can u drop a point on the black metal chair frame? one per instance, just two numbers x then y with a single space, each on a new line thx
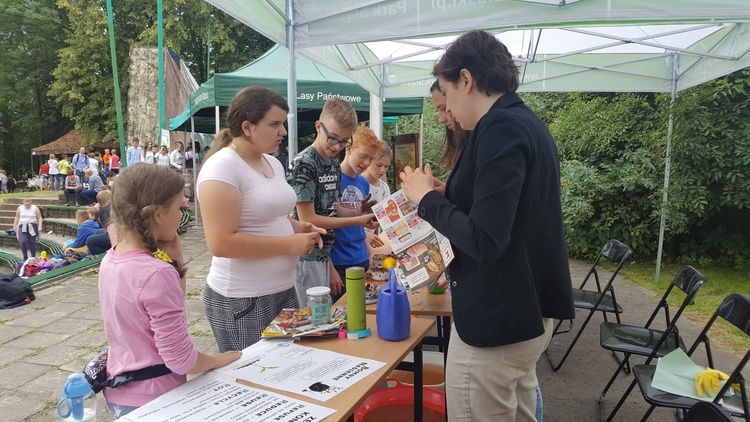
707 412
735 309
689 280
617 252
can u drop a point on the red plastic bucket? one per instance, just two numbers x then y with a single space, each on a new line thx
395 402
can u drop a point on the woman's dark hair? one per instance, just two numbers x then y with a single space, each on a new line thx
487 59
454 140
251 104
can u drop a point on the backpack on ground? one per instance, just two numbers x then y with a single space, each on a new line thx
14 291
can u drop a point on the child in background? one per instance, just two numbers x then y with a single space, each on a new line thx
86 227
142 299
105 162
349 249
94 216
99 242
379 190
114 163
375 174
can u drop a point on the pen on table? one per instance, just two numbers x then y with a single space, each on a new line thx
248 364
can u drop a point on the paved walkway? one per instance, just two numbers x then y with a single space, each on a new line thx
41 343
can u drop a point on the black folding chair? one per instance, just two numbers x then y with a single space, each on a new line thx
600 300
646 341
735 309
705 411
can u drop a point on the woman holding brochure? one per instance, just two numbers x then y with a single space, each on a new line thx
501 211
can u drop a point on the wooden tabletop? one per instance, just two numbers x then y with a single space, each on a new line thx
372 347
421 303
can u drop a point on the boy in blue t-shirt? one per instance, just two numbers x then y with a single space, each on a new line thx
350 248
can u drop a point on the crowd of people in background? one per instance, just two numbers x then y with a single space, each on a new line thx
53 172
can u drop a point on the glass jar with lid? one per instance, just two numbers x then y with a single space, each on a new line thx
319 303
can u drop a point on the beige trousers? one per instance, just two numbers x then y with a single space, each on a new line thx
494 383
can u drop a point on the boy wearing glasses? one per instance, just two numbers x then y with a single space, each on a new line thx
315 176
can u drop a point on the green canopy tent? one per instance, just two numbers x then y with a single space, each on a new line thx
594 45
315 84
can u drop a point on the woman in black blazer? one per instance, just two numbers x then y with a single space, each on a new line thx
501 211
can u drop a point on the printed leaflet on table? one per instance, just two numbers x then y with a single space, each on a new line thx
291 322
215 397
315 373
422 253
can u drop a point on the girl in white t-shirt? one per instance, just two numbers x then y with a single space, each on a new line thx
147 153
54 172
375 174
162 158
245 203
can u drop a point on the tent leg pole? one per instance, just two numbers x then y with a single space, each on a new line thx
291 86
421 140
667 169
218 125
195 171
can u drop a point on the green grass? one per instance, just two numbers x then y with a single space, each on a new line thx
11 198
720 283
194 294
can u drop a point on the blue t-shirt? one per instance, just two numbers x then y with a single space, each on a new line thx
86 229
349 246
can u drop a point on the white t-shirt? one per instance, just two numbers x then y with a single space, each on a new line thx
94 166
162 159
266 204
176 159
148 157
381 191
27 215
53 170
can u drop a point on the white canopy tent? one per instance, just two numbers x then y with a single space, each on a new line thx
389 46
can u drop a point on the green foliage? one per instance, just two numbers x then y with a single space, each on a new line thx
83 79
610 169
30 33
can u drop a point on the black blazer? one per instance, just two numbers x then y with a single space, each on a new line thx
502 214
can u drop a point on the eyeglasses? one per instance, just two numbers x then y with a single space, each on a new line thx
345 143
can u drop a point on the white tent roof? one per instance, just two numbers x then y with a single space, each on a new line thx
389 46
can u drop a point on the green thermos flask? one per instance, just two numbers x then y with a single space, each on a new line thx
355 299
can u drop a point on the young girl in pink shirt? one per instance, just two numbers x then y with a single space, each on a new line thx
142 297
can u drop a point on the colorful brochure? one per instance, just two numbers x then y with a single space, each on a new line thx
421 251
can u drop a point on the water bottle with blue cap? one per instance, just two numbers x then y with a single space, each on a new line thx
78 401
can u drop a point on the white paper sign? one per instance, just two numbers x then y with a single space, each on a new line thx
213 397
315 373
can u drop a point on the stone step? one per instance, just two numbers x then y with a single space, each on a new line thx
6 212
6 223
52 199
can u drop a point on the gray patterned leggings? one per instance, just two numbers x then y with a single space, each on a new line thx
238 322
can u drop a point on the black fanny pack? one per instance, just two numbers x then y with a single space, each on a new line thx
96 373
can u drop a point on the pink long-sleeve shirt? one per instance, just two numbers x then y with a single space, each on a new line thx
143 308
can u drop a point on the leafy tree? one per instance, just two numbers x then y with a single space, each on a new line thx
83 79
709 206
30 33
610 148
